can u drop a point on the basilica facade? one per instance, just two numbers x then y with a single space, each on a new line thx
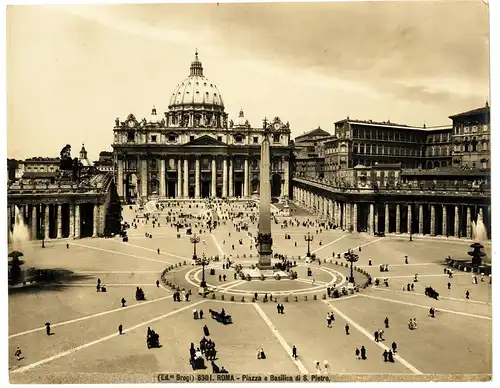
196 150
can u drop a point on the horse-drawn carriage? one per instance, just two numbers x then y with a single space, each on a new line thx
153 340
139 294
431 293
221 317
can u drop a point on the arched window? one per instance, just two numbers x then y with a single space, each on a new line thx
355 148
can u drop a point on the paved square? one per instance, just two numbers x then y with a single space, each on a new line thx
86 346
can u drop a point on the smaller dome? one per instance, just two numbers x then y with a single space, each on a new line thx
153 118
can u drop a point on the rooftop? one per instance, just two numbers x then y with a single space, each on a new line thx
478 111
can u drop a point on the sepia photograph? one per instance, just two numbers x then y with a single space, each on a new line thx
295 192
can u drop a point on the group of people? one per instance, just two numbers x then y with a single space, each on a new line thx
185 295
139 294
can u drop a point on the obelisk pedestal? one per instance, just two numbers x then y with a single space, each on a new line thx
265 240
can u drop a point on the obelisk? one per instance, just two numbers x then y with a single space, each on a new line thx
265 240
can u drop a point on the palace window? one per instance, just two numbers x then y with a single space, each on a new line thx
130 136
171 138
276 138
255 140
153 138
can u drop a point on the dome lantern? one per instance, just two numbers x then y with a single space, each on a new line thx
196 66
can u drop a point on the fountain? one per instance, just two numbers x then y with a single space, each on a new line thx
479 235
150 207
20 233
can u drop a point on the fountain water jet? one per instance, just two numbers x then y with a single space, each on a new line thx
479 235
20 233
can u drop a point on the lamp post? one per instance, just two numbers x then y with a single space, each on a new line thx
204 262
308 238
195 240
351 258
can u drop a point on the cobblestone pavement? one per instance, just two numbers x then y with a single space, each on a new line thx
86 347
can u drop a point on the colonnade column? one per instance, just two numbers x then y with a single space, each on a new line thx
286 169
245 177
421 219
231 184
119 184
409 221
197 178
77 220
179 178
144 177
163 188
469 229
9 220
224 178
355 216
59 221
46 221
325 207
96 220
349 217
433 220
386 219
34 217
481 213
457 223
371 219
398 218
332 210
445 222
71 220
214 179
375 215
186 178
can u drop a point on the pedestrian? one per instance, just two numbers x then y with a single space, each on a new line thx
220 278
385 354
414 323
278 307
363 353
120 329
224 277
346 329
357 354
431 312
449 285
332 316
282 309
376 336
201 314
380 334
123 302
235 276
394 347
406 259
255 295
47 328
318 367
157 283
408 286
67 246
158 250
18 354
412 287
294 352
328 320
313 281
369 262
206 332
467 293
98 287
386 322
391 358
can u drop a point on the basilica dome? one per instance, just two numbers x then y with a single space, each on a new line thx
196 90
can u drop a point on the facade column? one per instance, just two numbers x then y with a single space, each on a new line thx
95 220
457 222
386 219
46 222
119 184
163 188
371 216
224 178
286 169
214 179
59 221
34 219
409 221
355 216
144 177
433 220
179 178
71 220
349 216
186 178
231 184
398 218
469 229
197 178
77 220
245 177
421 219
445 222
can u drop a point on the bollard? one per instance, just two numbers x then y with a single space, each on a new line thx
185 263
315 297
232 298
222 297
336 262
213 296
242 298
305 298
253 300
324 296
296 298
286 298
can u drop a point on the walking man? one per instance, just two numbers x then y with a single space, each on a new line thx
18 354
449 285
123 302
394 347
357 354
376 336
120 329
346 329
157 283
386 322
363 353
467 293
385 354
294 352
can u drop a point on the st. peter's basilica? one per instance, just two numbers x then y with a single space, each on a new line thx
195 150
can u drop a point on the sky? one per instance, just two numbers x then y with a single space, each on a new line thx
71 70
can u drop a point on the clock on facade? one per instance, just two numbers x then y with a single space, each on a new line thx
276 126
131 123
